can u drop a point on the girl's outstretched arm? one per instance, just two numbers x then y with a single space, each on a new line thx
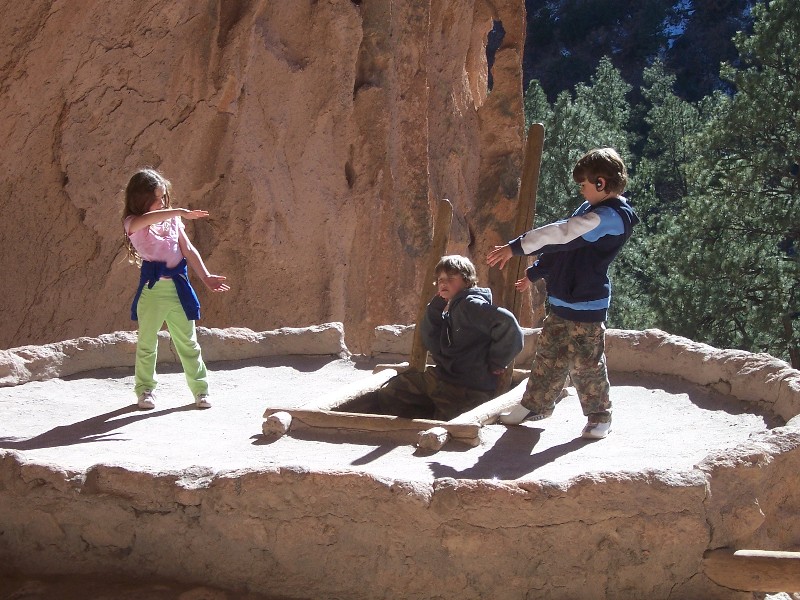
157 216
215 283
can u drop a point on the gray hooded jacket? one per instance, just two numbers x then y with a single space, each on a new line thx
472 339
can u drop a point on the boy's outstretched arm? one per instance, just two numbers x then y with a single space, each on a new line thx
523 285
215 283
500 255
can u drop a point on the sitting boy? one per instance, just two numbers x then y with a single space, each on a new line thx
471 341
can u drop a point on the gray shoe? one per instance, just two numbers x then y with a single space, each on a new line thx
201 401
596 431
147 400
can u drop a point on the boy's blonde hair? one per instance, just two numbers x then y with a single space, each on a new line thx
605 163
455 264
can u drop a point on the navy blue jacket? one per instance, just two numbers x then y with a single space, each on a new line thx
153 271
574 256
472 339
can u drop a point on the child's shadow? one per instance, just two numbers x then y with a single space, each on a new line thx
94 429
510 456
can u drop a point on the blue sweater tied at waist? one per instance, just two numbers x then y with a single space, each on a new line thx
153 271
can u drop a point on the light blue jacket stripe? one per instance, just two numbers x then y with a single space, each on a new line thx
600 304
610 224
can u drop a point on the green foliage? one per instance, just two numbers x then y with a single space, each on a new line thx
596 116
744 201
669 146
717 257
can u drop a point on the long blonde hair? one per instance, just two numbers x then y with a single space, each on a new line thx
139 195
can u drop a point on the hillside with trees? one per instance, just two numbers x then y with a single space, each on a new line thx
702 100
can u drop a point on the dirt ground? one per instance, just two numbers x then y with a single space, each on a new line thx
660 424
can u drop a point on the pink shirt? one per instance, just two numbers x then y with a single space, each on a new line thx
159 242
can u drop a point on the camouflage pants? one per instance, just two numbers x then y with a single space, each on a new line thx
575 349
416 395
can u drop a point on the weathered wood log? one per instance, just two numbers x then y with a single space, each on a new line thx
302 418
753 570
489 411
278 421
441 235
526 210
399 367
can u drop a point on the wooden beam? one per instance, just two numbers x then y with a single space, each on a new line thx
526 211
441 235
375 423
488 411
399 367
753 570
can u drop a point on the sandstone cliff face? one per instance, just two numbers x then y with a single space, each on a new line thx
319 134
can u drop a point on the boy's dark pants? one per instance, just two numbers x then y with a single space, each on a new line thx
575 349
416 395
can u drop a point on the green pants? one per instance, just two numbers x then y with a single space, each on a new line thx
158 305
575 349
415 395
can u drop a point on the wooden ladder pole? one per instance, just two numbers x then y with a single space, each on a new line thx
753 570
526 210
441 235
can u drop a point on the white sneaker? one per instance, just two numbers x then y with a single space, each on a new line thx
519 413
201 401
147 400
596 431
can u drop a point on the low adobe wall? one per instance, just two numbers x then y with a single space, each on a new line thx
757 378
118 349
294 533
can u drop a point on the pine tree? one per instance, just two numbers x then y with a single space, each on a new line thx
735 275
597 116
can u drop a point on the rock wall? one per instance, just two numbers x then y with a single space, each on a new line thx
62 359
292 533
319 135
324 535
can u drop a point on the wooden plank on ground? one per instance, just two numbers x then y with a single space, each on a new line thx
489 411
374 423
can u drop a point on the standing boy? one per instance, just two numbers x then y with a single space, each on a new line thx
574 256
471 341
